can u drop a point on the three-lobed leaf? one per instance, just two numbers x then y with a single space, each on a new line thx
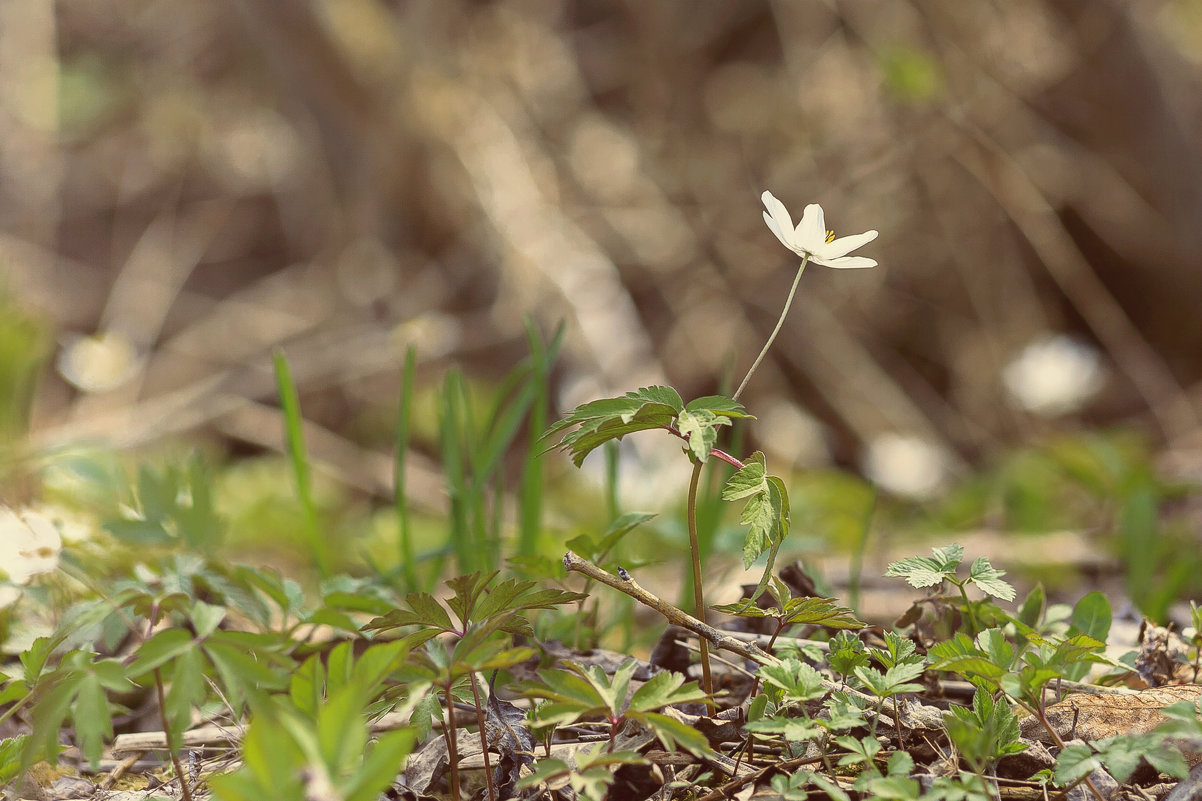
928 571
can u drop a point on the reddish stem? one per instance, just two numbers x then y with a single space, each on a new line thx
717 453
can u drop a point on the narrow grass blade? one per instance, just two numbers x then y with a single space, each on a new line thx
459 493
295 435
530 498
399 496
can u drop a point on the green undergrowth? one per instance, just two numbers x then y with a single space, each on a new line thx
341 637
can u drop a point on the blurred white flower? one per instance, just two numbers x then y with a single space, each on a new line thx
1053 375
811 238
9 595
906 465
29 545
99 363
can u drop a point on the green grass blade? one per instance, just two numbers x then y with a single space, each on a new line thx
399 495
613 504
459 494
530 494
295 436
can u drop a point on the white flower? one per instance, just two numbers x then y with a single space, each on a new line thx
29 545
906 465
810 237
1053 375
99 363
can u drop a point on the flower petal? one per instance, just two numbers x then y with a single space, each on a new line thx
811 231
846 244
778 219
846 262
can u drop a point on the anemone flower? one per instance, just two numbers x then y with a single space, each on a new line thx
810 239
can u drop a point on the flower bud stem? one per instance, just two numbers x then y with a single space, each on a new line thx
775 331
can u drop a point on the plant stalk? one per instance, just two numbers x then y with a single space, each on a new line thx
185 790
452 744
775 331
492 792
698 593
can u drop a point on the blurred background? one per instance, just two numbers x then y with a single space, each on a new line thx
187 184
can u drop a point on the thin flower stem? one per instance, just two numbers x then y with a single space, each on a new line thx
775 331
698 594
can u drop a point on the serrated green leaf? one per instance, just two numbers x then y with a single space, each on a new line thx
1074 763
989 579
468 591
665 689
700 428
928 571
673 733
92 717
424 610
188 690
659 394
1167 759
718 404
820 612
609 419
794 730
747 481
895 680
159 649
797 680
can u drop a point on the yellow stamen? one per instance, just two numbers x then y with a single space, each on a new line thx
830 237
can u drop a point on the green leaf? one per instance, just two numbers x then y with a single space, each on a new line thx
794 730
1074 763
1167 759
989 580
750 480
928 571
659 394
93 718
898 650
597 550
895 680
139 532
1031 611
664 689
608 419
797 680
847 653
206 618
424 610
673 733
766 512
379 768
701 430
1091 616
188 691
342 730
160 649
468 590
718 404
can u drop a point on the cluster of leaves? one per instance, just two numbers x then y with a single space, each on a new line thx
766 508
607 419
